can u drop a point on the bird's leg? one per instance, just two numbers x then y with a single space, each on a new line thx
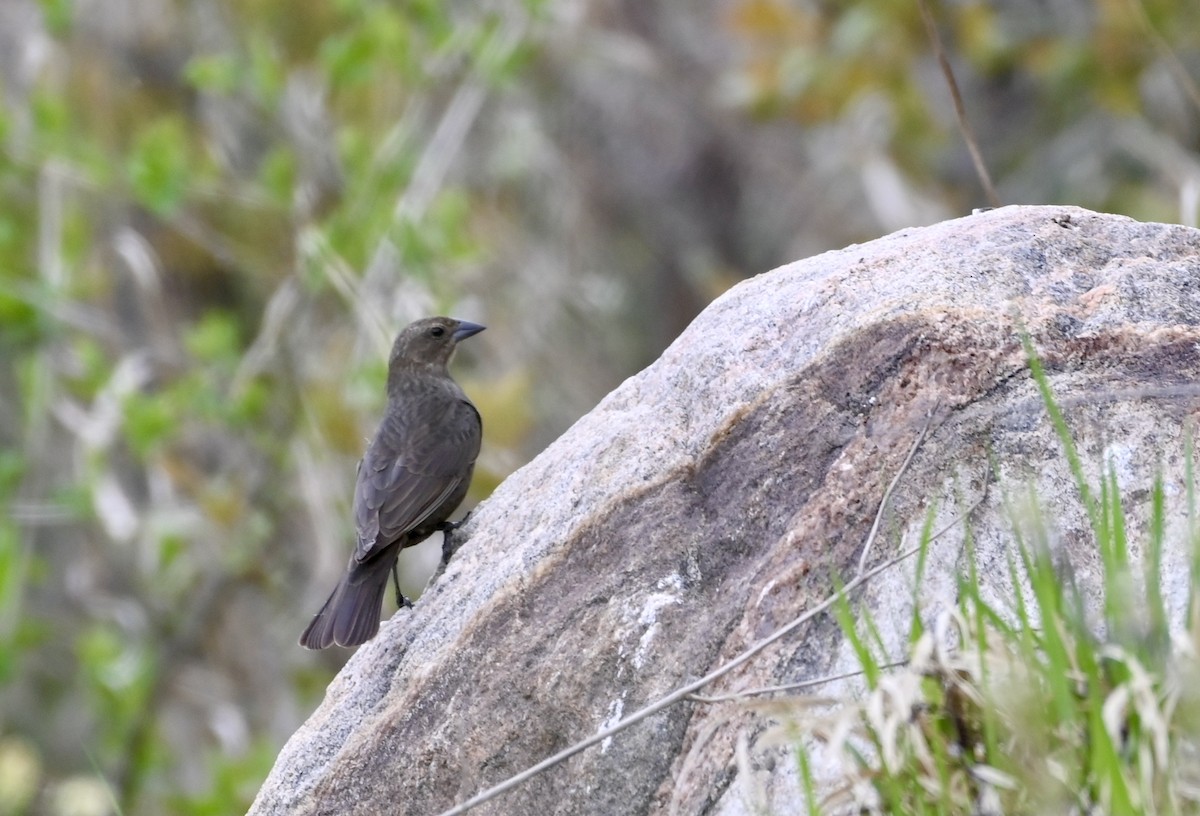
402 600
454 525
449 547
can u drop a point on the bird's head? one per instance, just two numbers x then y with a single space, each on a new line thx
430 342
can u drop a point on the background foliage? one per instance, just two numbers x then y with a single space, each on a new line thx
214 214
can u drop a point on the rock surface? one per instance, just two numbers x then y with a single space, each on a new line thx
720 492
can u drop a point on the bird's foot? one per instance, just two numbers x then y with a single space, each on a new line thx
451 526
449 545
402 600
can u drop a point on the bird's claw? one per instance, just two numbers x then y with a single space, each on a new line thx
449 546
402 600
451 526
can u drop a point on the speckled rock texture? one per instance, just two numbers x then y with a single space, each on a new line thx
720 492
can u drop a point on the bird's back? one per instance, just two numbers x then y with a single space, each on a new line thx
418 467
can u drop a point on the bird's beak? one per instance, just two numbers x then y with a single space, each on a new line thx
466 330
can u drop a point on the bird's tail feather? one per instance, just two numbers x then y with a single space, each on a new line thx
351 615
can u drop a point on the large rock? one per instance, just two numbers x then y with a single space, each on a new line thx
719 493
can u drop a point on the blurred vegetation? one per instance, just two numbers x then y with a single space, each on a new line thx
215 214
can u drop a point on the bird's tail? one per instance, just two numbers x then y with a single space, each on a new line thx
351 615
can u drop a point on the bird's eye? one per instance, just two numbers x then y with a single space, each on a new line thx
437 331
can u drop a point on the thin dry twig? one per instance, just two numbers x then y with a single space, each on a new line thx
337 271
887 494
1178 70
960 111
738 696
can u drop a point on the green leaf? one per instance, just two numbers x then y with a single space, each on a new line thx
349 59
159 165
149 420
20 322
277 172
215 73
58 15
214 339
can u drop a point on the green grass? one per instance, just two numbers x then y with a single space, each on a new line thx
1029 705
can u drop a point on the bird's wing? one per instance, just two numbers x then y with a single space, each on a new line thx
410 469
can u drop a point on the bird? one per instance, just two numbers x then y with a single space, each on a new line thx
414 474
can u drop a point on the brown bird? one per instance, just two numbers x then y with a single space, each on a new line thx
414 474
